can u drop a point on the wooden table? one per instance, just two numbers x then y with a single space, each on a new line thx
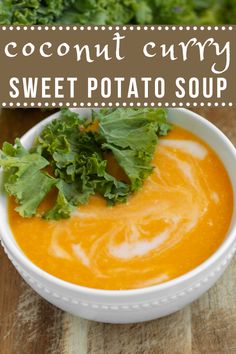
28 324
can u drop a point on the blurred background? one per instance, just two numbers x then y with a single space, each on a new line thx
183 12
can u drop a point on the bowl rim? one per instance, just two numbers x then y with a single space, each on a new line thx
19 255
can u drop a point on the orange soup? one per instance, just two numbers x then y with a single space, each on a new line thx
174 223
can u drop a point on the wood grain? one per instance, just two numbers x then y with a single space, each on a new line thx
29 325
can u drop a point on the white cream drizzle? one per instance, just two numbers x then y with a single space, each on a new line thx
80 254
127 250
190 147
157 280
179 214
55 249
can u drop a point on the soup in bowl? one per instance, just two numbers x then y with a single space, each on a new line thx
145 258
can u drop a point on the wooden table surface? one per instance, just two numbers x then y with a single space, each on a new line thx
28 324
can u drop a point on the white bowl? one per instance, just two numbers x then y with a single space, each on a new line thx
137 305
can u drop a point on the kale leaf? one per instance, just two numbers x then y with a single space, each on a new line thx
24 178
73 148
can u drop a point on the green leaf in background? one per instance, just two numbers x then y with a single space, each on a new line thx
180 12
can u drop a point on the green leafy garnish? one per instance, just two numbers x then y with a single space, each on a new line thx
131 135
75 150
24 178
